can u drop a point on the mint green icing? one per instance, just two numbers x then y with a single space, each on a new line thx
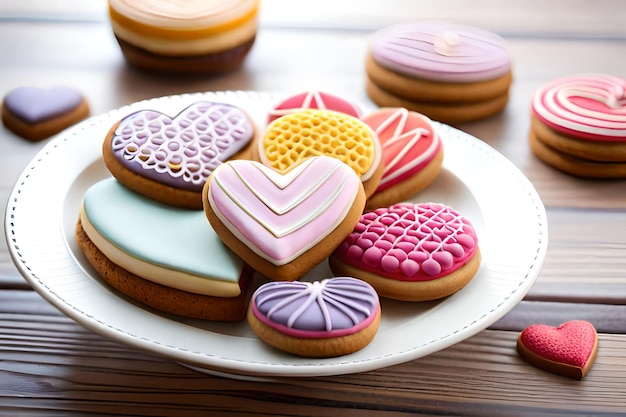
166 236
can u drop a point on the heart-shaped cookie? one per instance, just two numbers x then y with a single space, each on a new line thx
284 223
169 159
568 350
312 100
36 113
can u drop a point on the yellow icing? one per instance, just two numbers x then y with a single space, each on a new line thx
313 132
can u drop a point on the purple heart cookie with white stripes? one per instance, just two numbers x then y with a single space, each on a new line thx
411 252
168 158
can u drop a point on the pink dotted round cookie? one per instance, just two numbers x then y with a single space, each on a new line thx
169 159
410 252
412 154
578 125
313 100
327 318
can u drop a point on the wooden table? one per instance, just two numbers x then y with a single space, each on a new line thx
50 365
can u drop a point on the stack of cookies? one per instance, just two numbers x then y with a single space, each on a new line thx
451 73
578 125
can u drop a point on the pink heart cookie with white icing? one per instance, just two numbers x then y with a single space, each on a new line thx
284 223
411 252
568 350
170 158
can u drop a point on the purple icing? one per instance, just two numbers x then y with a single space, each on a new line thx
35 105
183 151
322 306
442 51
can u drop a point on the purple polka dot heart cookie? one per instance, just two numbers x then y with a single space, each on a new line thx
168 159
410 252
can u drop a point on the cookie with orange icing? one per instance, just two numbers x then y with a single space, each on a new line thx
315 132
283 223
190 37
578 125
165 257
168 158
568 350
321 319
410 252
312 100
412 154
449 72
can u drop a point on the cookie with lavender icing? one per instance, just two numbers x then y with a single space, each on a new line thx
578 125
284 223
412 154
450 72
169 158
332 317
36 113
411 252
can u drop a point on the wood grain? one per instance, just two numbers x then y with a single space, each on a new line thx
48 361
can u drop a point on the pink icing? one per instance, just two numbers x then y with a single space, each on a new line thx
441 52
183 151
313 100
280 216
587 106
409 142
35 105
410 242
571 343
330 308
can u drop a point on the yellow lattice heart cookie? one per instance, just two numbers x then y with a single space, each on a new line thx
313 132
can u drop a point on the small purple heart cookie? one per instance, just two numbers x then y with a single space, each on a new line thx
36 113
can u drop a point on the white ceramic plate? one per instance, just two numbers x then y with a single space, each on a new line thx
476 180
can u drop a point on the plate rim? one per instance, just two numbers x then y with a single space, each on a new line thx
228 366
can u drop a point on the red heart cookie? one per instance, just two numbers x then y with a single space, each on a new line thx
568 350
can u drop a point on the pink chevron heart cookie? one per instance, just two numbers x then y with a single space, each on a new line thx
312 100
168 158
284 223
568 350
410 252
36 113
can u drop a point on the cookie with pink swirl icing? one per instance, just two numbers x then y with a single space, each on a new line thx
410 252
578 125
332 317
168 158
450 72
412 154
284 223
312 100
